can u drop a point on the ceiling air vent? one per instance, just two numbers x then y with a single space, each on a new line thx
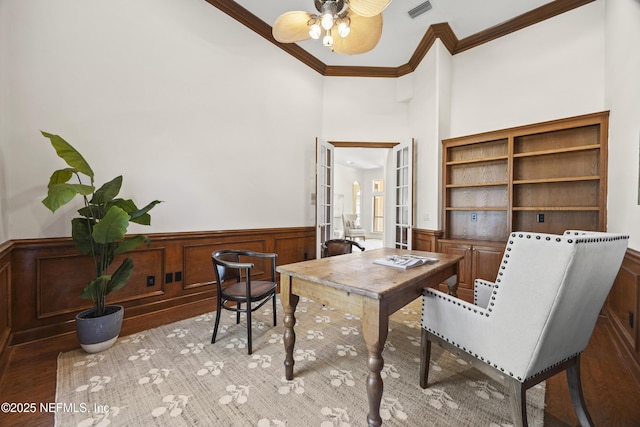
419 9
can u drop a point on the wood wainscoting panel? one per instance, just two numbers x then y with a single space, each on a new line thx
45 279
198 267
623 309
61 279
295 248
623 303
5 305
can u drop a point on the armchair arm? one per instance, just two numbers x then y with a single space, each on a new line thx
462 323
482 290
474 330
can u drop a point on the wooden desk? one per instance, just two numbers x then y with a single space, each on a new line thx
353 283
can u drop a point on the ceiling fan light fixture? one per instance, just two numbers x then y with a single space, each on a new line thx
315 31
327 21
327 40
334 23
328 12
343 27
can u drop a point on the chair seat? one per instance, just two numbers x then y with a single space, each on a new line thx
238 291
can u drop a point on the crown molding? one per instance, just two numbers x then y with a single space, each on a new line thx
436 31
249 20
440 31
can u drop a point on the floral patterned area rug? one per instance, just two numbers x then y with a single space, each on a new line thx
174 376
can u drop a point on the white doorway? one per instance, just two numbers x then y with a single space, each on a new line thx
356 158
360 170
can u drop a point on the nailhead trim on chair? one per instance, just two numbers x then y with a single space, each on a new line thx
500 368
495 292
454 302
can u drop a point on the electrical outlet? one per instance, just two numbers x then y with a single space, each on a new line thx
178 275
168 278
474 217
151 280
539 217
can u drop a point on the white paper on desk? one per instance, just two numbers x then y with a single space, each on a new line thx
404 261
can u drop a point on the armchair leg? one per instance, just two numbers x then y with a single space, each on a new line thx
518 402
575 389
249 328
215 327
274 309
425 358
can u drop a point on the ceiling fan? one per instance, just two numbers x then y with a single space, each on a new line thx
346 26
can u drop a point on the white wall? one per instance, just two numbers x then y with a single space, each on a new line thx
363 109
4 120
429 120
366 192
547 71
344 176
191 107
623 99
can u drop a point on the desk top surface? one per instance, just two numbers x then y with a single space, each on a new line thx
357 272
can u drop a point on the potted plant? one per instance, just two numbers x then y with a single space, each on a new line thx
99 231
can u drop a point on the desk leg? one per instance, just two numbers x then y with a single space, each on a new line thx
289 303
375 331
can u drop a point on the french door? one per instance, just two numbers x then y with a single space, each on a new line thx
324 194
401 179
403 189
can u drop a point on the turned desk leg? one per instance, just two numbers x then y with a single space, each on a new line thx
375 330
289 303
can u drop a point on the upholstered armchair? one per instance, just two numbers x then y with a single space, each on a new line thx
535 319
351 228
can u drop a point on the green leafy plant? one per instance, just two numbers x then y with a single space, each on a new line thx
100 230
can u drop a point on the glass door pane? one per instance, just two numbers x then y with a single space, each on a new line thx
324 194
403 155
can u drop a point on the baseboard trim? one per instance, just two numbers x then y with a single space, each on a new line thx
132 324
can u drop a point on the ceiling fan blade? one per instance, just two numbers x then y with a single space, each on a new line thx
368 8
292 27
364 36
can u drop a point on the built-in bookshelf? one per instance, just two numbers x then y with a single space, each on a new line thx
546 177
